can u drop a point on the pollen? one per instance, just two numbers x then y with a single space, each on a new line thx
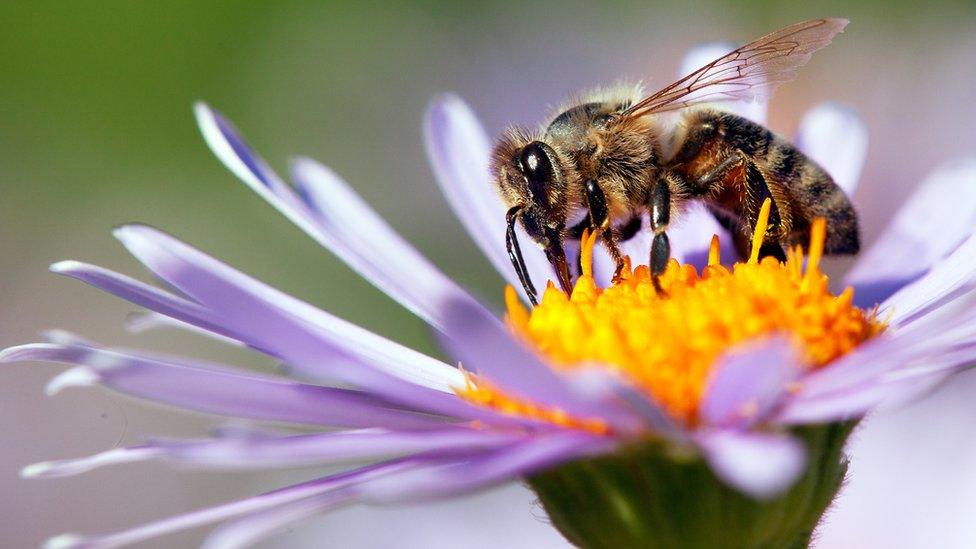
668 343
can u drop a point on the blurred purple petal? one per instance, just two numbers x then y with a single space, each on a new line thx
600 383
458 150
338 219
370 246
702 54
247 531
927 228
69 467
506 464
226 511
691 235
940 286
761 465
912 377
854 402
836 138
262 451
748 382
218 390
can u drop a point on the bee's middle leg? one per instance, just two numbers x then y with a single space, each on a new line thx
600 222
660 206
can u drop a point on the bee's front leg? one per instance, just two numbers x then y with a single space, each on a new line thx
596 203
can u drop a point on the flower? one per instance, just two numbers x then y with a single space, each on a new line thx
756 384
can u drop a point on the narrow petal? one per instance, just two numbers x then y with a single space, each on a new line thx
893 387
854 402
220 390
297 331
749 382
947 279
761 465
247 531
458 150
369 245
335 217
506 464
141 322
226 511
702 54
433 481
909 247
484 346
268 451
836 138
69 467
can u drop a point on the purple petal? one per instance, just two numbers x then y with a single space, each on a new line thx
506 464
367 345
485 346
890 387
855 402
761 465
836 138
264 451
140 322
691 236
946 282
435 480
255 308
458 150
749 382
233 509
908 248
600 384
702 54
338 219
364 240
247 531
214 389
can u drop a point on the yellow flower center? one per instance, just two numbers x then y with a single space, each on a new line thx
668 343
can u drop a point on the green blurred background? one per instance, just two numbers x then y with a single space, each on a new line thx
96 130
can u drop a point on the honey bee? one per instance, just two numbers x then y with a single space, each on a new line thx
609 159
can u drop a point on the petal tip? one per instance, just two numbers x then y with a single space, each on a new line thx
80 376
66 266
35 470
64 541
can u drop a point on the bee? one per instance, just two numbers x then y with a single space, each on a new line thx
606 161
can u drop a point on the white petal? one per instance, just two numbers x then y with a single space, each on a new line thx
836 138
761 465
934 220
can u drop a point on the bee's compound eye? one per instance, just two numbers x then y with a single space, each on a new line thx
536 166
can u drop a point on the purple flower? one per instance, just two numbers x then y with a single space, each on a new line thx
409 415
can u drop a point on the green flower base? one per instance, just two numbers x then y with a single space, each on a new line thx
647 497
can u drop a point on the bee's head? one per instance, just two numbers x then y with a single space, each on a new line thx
529 174
531 180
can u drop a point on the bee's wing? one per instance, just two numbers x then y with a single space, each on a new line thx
747 72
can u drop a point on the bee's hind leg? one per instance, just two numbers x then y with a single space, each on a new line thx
600 222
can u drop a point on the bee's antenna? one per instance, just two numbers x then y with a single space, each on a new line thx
515 254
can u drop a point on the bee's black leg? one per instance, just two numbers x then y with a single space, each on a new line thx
515 254
756 192
600 221
660 218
